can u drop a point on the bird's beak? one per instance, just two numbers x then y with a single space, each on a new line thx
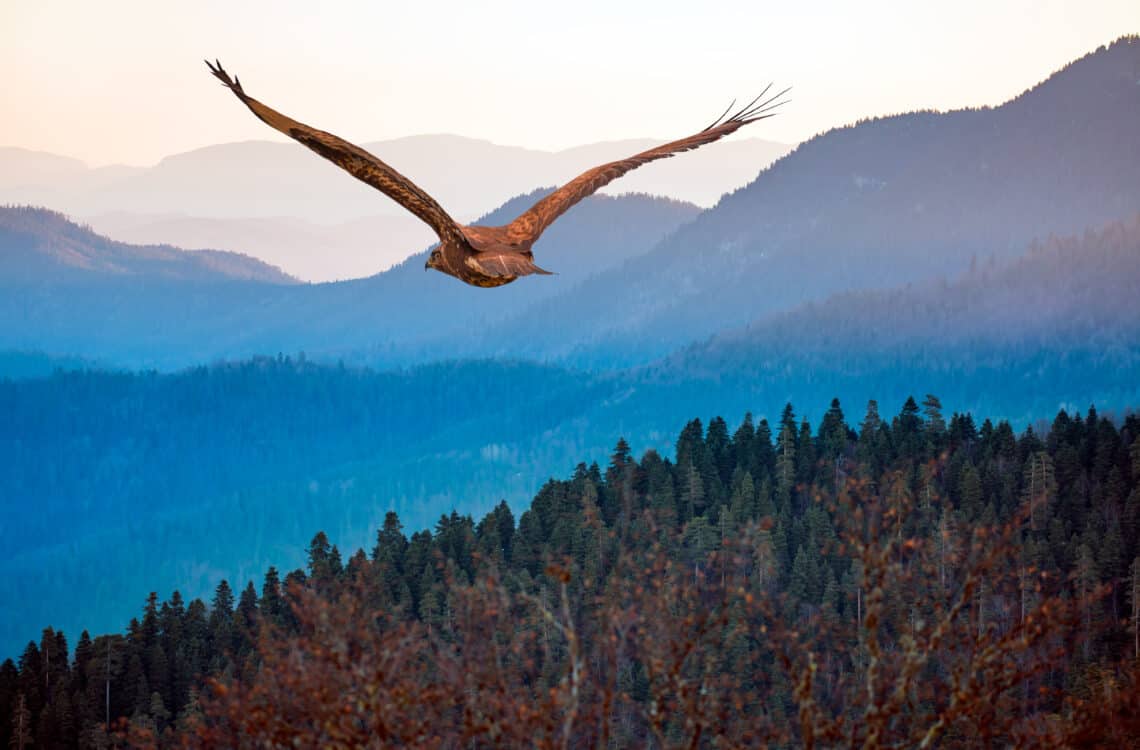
427 264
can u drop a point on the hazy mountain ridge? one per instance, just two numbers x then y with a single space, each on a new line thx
468 176
351 249
872 205
403 316
23 169
39 246
322 224
34 364
1065 288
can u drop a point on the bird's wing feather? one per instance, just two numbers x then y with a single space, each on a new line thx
529 225
502 265
353 159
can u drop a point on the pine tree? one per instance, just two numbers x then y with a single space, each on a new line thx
21 725
84 653
158 713
963 432
805 454
970 492
788 419
54 668
432 598
764 457
32 679
765 569
868 448
488 545
833 433
691 444
246 621
158 670
802 583
505 523
148 628
700 539
529 543
718 448
173 643
742 444
785 466
935 427
829 603
765 508
357 567
742 504
388 563
1039 485
692 492
1086 580
221 624
619 485
272 604
391 544
190 716
907 429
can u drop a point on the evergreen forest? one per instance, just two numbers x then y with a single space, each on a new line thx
920 579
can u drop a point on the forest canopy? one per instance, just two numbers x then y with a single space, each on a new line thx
915 575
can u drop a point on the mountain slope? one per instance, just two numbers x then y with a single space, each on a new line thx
38 246
177 467
879 203
404 315
1057 327
351 249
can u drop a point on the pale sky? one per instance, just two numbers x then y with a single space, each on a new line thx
122 81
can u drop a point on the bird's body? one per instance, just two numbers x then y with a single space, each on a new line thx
478 255
487 258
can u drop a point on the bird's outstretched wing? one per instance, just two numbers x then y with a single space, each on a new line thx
353 159
529 225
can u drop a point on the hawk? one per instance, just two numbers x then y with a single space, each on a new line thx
487 256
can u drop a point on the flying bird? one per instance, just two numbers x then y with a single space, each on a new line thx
478 255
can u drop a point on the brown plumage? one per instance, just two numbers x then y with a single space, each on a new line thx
486 256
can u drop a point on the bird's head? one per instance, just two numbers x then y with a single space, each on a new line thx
435 260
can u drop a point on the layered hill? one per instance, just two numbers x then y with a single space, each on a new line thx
388 319
317 252
280 203
40 247
1063 291
1057 327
